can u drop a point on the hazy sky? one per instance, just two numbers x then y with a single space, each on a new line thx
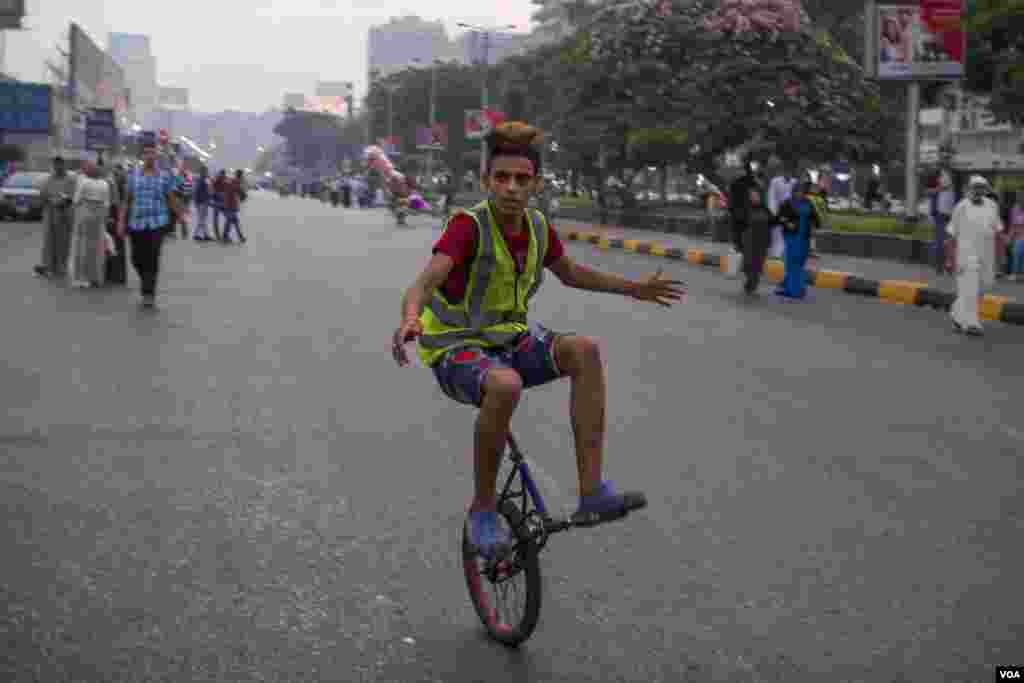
241 54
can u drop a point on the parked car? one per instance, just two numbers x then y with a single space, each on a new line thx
21 195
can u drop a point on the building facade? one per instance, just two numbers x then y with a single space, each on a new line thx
393 46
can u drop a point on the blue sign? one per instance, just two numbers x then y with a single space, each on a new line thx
24 107
147 138
100 131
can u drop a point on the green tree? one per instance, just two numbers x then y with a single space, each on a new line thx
995 61
794 91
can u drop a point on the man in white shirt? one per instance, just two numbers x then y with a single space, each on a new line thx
974 225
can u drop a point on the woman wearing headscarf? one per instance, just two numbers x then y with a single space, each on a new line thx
974 226
756 238
800 218
92 205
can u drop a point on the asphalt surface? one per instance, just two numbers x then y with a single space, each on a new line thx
242 486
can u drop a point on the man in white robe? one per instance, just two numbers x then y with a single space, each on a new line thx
974 225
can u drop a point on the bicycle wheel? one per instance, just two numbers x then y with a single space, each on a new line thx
506 594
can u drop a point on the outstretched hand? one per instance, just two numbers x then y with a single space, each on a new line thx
661 291
409 330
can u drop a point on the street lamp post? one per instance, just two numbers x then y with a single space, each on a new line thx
485 35
433 114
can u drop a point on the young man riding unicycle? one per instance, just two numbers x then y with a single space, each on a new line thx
468 309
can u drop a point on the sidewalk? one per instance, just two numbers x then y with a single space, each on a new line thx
889 281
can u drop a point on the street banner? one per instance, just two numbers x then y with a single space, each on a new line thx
25 107
923 41
432 137
100 130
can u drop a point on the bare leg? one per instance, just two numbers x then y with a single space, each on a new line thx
580 358
502 389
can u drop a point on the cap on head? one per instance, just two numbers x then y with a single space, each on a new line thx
978 181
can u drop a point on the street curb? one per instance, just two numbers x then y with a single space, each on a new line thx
993 307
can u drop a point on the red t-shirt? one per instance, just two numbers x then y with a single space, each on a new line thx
459 242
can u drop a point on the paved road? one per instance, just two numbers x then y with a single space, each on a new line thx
242 486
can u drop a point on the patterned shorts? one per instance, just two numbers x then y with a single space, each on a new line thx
461 372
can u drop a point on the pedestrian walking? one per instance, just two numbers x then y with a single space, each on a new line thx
739 204
185 191
1015 235
942 200
219 184
116 268
58 194
974 225
800 219
91 206
234 190
150 204
203 197
756 238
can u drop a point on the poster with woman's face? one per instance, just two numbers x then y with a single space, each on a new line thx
922 41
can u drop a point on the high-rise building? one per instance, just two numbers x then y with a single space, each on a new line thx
133 52
395 45
474 46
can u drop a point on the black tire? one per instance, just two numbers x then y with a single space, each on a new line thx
525 562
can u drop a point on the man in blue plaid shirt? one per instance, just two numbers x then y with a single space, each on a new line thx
145 216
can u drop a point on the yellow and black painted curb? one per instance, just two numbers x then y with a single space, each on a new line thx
993 307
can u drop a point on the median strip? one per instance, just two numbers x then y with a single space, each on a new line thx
904 292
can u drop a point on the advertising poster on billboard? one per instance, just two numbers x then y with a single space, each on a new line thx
921 41
25 107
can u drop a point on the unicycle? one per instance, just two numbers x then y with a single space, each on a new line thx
506 591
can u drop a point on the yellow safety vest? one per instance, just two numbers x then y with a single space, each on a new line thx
494 309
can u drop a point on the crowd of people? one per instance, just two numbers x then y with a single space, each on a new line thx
776 217
978 238
92 218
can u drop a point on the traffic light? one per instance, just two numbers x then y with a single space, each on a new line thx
164 137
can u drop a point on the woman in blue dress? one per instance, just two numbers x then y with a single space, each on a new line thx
799 218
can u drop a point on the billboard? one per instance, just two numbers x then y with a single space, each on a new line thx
11 14
95 79
432 137
173 98
922 40
25 107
